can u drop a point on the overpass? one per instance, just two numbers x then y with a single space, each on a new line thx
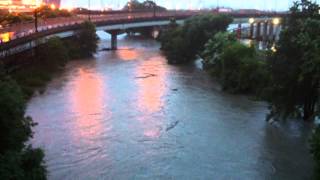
25 37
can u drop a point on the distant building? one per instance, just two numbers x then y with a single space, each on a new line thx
57 3
18 5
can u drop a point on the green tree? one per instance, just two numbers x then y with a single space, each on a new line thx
183 44
86 39
295 67
57 54
49 59
214 48
147 5
315 149
17 161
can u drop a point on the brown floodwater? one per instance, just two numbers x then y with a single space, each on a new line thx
127 114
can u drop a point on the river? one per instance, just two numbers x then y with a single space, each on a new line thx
127 114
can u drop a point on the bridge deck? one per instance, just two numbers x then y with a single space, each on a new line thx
24 35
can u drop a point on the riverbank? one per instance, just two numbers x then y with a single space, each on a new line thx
43 62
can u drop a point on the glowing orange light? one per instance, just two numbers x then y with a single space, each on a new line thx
53 7
5 37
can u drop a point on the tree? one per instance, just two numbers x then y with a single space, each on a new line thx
239 68
17 161
57 55
295 67
147 5
86 39
214 48
46 11
182 44
315 149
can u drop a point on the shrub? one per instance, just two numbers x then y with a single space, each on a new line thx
183 44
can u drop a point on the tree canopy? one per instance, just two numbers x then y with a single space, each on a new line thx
17 161
182 44
295 67
86 39
147 5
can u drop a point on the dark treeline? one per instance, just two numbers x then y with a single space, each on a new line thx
17 159
287 76
147 5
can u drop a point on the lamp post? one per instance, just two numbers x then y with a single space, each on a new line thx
35 14
89 12
154 8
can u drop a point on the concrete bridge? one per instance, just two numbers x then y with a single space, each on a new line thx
25 36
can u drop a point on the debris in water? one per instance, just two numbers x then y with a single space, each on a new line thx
146 76
172 125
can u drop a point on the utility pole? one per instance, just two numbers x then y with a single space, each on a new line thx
89 11
154 8
35 14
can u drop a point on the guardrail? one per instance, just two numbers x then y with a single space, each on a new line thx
30 30
27 29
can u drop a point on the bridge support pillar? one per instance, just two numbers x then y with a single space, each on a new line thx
114 39
239 31
251 30
265 31
271 32
258 31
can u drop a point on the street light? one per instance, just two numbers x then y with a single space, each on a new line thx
89 12
35 14
276 21
251 20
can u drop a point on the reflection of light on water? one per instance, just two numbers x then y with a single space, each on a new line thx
127 54
87 104
151 81
6 37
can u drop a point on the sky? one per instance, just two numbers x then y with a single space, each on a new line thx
187 4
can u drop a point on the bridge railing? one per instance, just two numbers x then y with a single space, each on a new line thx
27 29
21 31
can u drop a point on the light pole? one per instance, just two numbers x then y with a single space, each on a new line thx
154 8
35 14
89 12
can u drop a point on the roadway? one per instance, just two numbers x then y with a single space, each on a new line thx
17 31
21 30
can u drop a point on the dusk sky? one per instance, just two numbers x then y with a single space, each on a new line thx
187 4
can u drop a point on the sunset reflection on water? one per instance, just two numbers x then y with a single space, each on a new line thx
127 54
87 104
151 82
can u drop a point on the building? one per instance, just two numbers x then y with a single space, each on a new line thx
18 5
57 3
